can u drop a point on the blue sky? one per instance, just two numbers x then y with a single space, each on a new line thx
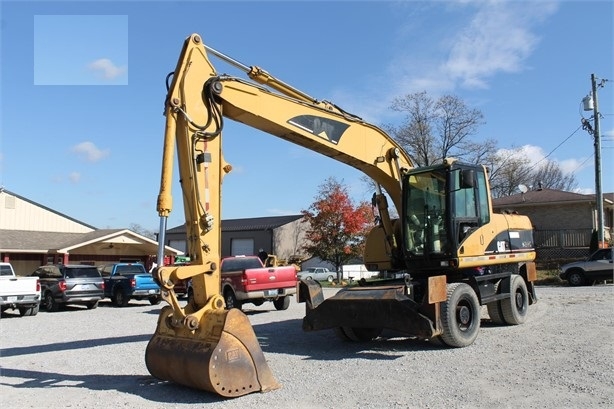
82 90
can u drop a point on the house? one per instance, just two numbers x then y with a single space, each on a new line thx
32 235
563 221
279 235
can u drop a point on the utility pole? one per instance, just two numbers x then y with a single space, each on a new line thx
597 137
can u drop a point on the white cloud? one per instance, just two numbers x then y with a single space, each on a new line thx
282 212
498 38
573 165
74 177
89 152
106 68
536 157
533 153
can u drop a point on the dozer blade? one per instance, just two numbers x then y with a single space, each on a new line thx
366 307
222 356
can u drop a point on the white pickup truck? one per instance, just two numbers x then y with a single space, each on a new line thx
20 293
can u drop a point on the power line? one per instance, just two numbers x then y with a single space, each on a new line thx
582 164
558 146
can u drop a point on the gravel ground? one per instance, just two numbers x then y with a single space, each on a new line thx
562 357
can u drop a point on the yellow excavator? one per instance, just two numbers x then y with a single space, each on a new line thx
453 253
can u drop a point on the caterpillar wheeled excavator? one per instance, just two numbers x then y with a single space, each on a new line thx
453 252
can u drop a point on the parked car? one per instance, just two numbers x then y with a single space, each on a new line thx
318 274
18 293
598 266
129 281
63 284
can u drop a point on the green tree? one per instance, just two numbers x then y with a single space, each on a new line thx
336 227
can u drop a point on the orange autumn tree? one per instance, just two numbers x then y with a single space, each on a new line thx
336 227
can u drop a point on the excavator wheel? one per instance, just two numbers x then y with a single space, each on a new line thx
221 356
460 316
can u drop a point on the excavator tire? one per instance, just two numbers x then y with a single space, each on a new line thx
494 308
460 316
515 308
221 356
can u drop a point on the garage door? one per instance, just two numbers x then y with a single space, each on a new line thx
240 247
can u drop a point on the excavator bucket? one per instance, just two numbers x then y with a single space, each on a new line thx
221 356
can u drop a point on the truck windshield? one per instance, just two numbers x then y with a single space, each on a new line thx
425 212
6 270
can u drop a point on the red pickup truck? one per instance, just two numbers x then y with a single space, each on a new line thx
246 280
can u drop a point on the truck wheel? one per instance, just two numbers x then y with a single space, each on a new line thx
91 305
231 300
51 305
282 303
358 334
460 316
494 308
28 311
155 300
120 298
515 308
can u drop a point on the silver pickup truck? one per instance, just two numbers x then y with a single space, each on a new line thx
20 293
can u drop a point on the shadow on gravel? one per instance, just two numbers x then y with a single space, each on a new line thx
72 345
12 314
145 387
325 345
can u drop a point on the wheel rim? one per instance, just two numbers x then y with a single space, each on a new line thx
230 301
464 315
521 303
575 278
48 302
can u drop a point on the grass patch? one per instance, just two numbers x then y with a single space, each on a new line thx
549 277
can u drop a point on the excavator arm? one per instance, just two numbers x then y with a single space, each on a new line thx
203 345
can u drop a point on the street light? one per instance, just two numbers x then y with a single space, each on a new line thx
590 103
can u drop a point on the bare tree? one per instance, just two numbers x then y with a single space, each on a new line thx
507 170
550 176
510 168
479 153
434 130
137 228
